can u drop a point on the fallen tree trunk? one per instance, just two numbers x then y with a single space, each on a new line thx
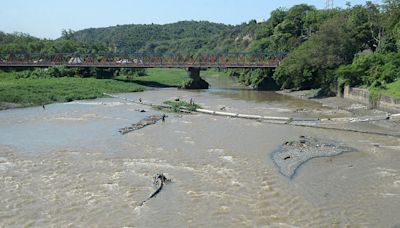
159 180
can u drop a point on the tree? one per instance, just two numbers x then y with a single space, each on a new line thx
371 69
311 65
391 15
67 34
392 12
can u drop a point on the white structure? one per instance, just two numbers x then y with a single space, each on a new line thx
261 20
75 60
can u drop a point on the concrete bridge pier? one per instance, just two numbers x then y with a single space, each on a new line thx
195 82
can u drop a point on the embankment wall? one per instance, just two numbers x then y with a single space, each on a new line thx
362 96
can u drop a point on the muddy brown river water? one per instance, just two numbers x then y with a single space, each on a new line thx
67 166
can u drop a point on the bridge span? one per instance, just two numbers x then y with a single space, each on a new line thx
144 60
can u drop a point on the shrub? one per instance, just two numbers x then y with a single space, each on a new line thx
371 70
374 95
177 105
51 72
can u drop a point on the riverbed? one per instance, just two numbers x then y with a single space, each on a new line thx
67 165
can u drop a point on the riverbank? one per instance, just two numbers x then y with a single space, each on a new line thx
362 118
34 92
343 105
376 98
25 92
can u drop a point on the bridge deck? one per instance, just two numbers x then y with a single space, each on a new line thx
142 66
140 60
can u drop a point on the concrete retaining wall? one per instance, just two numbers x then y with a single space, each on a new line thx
362 96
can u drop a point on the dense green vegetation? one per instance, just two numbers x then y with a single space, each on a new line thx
24 43
371 70
159 77
63 71
358 45
184 36
29 92
41 87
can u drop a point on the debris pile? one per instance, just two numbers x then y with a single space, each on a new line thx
292 154
143 123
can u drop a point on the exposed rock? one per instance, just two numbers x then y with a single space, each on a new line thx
197 83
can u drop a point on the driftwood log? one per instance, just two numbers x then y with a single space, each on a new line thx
159 180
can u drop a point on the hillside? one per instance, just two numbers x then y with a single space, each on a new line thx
189 36
184 37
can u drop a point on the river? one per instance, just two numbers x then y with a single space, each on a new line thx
67 166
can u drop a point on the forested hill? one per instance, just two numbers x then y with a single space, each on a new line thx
186 37
176 37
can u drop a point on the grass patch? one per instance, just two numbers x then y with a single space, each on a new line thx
176 106
212 72
392 89
169 77
44 90
30 92
159 77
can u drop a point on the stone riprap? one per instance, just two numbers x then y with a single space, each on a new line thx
292 154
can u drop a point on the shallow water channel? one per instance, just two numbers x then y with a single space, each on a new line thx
68 165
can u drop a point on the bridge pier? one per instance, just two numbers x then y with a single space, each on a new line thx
195 82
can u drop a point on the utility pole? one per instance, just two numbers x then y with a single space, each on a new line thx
328 4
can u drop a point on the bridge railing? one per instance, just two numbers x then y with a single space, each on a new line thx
240 59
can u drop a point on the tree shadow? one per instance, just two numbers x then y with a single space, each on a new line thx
147 83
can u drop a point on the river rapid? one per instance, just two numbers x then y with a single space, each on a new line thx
68 166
